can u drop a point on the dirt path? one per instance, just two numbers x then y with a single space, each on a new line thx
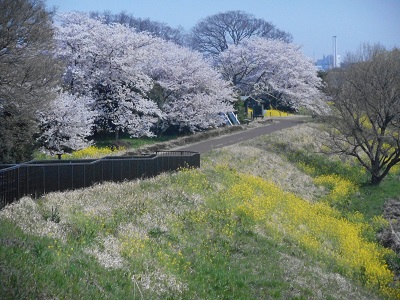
227 140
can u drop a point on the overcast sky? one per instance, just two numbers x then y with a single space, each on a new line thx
313 23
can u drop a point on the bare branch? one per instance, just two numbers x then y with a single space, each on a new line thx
366 97
215 33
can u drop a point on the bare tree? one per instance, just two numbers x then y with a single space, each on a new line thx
365 120
27 74
213 34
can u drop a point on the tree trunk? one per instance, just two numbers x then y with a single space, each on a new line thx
375 179
116 134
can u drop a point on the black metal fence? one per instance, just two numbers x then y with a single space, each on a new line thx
36 178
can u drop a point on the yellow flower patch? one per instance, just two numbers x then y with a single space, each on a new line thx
92 152
276 113
339 187
316 227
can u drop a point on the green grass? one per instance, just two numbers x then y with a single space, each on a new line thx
371 199
214 233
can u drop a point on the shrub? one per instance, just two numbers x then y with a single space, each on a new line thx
93 152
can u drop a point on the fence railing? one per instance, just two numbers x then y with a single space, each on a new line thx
36 178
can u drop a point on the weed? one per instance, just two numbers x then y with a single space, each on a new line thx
53 216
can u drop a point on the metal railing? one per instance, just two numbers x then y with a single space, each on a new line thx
36 178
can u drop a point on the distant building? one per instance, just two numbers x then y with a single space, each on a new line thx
326 63
338 61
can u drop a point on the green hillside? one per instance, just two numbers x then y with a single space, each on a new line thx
266 219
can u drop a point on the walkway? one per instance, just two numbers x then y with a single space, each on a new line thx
227 140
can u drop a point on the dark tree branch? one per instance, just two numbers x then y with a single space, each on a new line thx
366 110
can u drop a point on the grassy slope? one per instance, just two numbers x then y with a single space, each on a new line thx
231 230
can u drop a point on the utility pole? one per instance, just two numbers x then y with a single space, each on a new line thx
334 52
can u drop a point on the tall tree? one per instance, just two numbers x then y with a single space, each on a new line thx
272 69
137 79
191 92
28 73
215 33
105 62
365 122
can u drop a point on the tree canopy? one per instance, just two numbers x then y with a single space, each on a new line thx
105 62
158 29
273 69
215 33
139 81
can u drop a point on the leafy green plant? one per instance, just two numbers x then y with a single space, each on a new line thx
53 216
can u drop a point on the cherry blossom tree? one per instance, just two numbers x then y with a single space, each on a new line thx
138 80
66 124
106 62
272 68
190 92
